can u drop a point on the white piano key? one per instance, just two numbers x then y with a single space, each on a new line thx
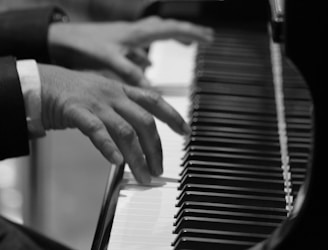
150 223
173 63
145 214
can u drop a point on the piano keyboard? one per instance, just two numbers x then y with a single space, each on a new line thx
234 187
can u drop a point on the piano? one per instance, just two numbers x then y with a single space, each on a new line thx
252 173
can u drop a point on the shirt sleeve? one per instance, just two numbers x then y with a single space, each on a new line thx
24 32
29 78
13 128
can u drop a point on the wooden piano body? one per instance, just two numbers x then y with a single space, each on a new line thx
235 170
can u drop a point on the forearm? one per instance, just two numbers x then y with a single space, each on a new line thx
109 10
24 33
13 127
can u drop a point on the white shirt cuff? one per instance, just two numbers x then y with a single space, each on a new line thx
29 77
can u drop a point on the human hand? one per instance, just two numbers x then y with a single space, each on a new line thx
99 45
117 118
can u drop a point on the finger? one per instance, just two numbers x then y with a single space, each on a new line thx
128 71
127 141
155 28
144 124
139 57
184 41
156 105
95 129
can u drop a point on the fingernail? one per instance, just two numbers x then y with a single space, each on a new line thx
145 178
157 171
117 158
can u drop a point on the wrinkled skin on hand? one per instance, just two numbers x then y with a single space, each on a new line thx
117 118
118 46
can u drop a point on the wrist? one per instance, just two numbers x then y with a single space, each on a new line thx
31 89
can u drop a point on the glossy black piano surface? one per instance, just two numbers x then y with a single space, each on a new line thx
234 193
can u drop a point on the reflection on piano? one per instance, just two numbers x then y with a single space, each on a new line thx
252 169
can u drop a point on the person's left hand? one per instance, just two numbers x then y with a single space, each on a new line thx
118 119
118 46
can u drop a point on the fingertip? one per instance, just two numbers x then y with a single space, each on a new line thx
208 34
117 158
141 172
157 171
143 178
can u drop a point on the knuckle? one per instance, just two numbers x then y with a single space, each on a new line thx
153 97
70 114
153 20
69 109
186 27
147 25
106 144
126 133
93 125
149 122
172 22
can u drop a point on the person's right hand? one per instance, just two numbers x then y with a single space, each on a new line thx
116 117
111 45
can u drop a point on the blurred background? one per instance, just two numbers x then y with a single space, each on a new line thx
58 189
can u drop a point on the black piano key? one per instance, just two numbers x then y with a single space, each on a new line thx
299 148
223 235
229 55
226 225
267 139
241 135
232 173
265 155
232 190
234 208
231 181
202 213
304 139
234 90
228 129
251 200
242 159
192 243
231 165
239 108
234 67
235 142
214 76
236 109
239 116
233 123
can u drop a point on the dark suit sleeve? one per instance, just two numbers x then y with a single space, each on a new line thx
24 33
13 126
